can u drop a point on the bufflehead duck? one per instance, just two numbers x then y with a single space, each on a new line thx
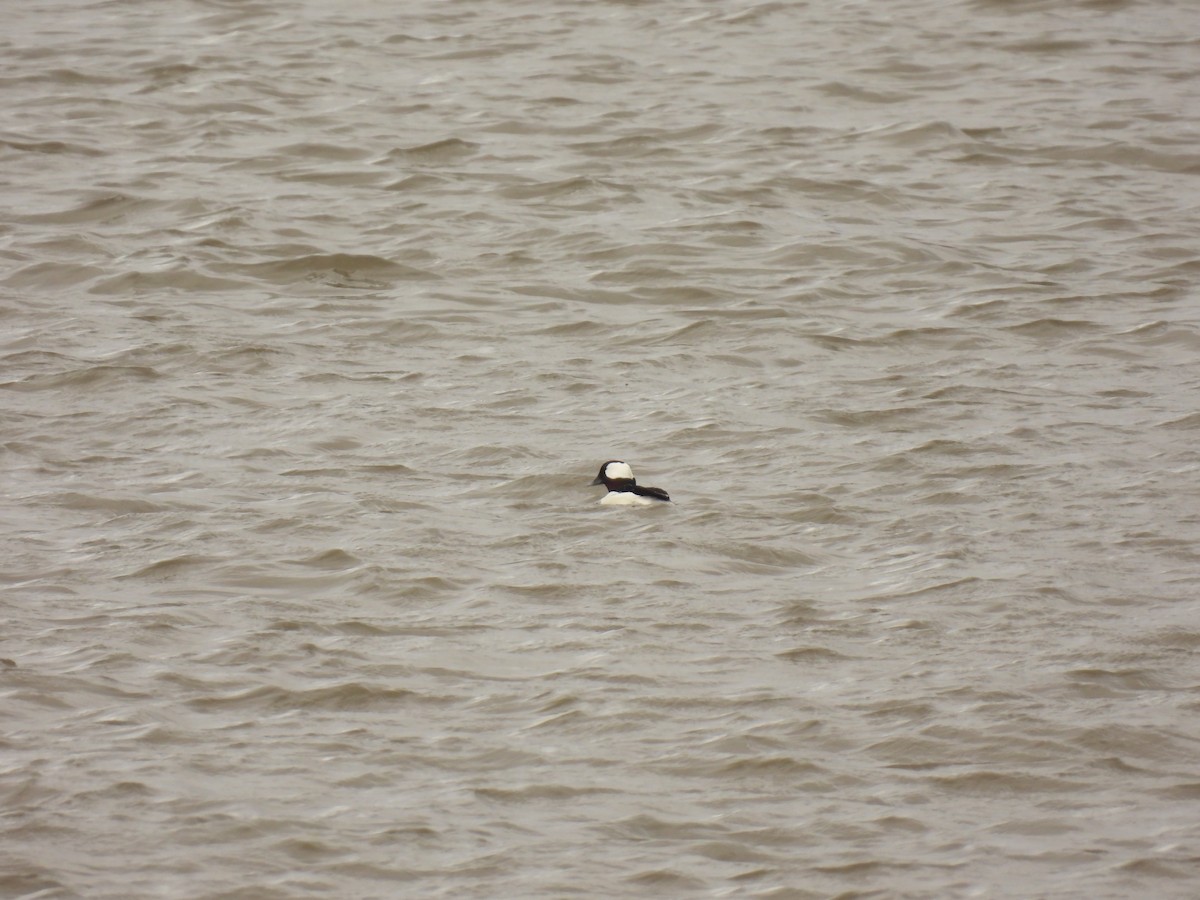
623 489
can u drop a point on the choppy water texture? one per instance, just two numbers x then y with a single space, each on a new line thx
319 318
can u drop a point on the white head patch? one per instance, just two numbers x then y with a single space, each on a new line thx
616 470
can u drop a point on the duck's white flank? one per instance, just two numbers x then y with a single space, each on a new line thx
627 498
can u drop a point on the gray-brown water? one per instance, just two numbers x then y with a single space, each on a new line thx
319 318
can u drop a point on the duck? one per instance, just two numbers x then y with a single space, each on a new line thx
623 489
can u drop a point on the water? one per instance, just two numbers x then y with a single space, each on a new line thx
319 320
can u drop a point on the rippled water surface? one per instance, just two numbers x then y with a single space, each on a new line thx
319 318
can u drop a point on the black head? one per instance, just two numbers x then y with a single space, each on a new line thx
618 477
